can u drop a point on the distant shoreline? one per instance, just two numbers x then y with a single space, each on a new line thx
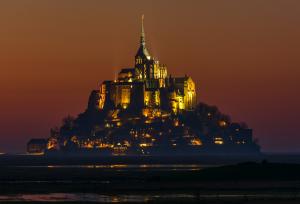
94 159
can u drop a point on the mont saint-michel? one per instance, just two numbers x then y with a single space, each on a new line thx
148 111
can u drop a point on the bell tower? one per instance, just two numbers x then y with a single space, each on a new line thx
142 57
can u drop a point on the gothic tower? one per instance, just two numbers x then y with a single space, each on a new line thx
142 57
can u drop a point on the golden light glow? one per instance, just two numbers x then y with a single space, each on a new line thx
145 144
222 123
88 145
146 112
103 145
196 142
147 135
125 97
74 139
52 143
119 150
126 143
241 142
176 123
102 96
180 102
218 140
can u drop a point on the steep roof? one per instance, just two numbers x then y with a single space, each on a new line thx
142 51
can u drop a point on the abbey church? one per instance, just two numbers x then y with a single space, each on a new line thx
146 111
147 86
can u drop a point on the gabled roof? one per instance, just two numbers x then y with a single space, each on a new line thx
37 141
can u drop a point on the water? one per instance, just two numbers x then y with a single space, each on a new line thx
128 167
49 184
134 198
80 197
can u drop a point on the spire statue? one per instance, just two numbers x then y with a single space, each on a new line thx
143 42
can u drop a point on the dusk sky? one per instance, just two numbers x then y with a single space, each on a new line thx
243 55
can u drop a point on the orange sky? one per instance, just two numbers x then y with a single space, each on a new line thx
243 56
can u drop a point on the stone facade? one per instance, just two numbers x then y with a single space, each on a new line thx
147 86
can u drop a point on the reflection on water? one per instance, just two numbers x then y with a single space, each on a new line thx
80 197
125 167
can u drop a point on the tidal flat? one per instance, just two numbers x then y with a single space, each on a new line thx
177 182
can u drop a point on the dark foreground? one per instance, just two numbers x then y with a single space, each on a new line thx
47 180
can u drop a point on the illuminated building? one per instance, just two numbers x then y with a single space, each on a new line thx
36 146
147 86
145 111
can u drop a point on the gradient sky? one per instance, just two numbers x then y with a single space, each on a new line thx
243 55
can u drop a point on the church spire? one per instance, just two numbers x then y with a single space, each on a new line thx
143 42
142 51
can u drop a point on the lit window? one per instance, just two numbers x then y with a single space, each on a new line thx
218 140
